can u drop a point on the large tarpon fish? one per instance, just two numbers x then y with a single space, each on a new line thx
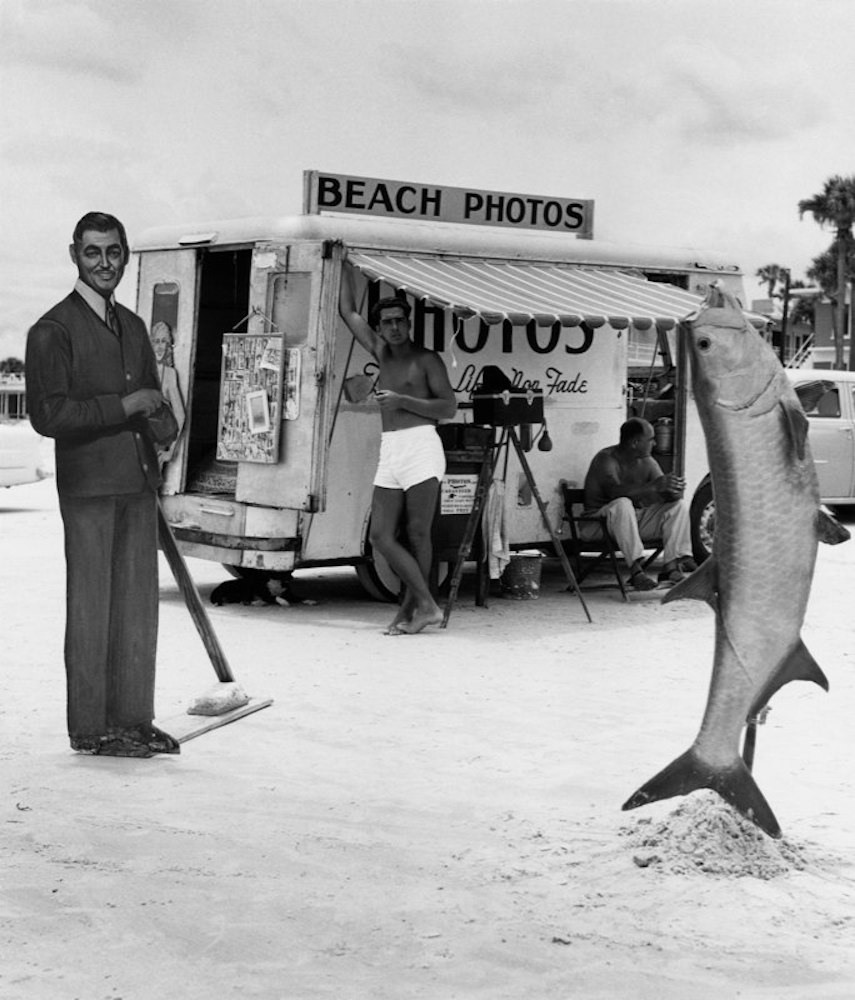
767 524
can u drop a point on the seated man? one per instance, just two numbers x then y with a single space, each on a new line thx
626 485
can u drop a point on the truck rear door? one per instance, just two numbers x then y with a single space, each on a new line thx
281 447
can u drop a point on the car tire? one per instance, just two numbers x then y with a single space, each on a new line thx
702 518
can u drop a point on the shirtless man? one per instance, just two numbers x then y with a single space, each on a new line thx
414 392
627 485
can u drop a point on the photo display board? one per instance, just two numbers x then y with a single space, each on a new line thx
251 398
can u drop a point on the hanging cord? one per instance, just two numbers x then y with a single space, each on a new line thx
255 311
654 356
458 329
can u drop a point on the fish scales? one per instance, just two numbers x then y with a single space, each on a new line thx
764 551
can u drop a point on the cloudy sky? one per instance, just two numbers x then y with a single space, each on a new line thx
689 122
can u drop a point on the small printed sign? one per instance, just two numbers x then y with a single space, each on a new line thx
457 494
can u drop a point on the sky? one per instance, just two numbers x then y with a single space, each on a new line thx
695 123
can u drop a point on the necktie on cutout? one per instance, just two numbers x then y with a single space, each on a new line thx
112 319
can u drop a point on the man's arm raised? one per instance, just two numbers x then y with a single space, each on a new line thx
362 332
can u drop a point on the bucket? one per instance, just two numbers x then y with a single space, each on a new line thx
521 578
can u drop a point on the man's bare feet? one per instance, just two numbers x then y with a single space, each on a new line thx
421 619
403 616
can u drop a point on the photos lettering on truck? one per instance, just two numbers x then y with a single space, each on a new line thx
323 192
569 365
565 351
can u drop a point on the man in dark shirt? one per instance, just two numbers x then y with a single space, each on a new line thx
91 382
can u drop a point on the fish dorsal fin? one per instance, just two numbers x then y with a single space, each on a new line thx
829 529
798 666
796 424
702 585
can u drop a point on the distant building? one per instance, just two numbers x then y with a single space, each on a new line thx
13 397
822 351
810 347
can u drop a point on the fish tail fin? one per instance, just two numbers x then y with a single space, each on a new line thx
734 784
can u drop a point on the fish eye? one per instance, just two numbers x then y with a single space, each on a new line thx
704 344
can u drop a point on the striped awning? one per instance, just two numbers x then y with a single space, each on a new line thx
519 292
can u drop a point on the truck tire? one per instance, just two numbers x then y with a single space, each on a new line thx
381 582
702 517
377 577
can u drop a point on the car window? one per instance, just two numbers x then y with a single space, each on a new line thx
819 398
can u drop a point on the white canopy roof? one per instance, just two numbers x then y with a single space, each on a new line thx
520 292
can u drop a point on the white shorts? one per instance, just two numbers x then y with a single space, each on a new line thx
409 457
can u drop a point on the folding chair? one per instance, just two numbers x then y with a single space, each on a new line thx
600 548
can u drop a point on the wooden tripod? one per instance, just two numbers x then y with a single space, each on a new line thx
485 477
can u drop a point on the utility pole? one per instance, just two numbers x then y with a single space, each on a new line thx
852 323
786 309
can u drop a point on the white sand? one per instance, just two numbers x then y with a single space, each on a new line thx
432 816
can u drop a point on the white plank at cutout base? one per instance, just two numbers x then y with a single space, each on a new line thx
438 203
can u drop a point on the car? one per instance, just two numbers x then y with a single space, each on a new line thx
25 456
828 399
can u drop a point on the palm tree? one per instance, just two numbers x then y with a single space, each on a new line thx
770 275
835 206
823 271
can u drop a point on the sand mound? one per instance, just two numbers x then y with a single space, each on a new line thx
705 835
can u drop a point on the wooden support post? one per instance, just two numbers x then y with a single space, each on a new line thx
750 742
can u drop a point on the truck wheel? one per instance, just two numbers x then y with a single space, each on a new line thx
381 582
702 516
377 577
